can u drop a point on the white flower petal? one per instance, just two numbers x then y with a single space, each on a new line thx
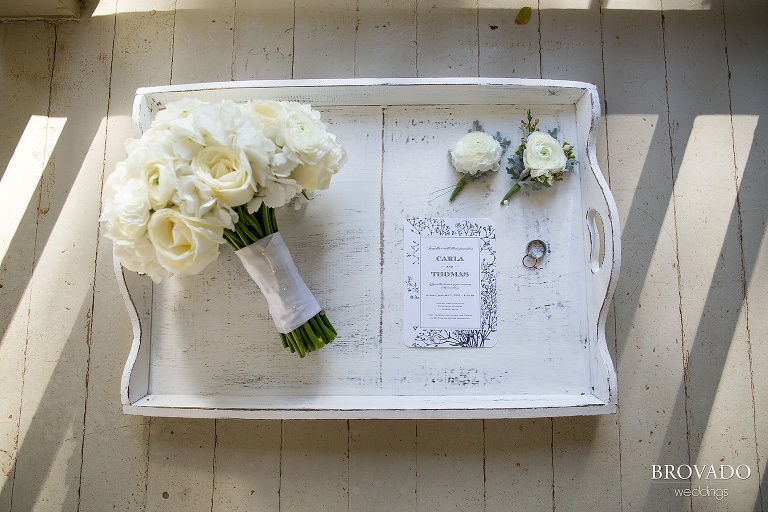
543 155
476 152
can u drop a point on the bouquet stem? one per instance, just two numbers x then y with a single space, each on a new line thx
315 333
510 192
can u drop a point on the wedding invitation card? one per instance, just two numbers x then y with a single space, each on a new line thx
449 282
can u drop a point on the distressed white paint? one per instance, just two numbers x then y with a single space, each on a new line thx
385 39
506 48
202 28
324 38
514 471
447 38
449 463
21 180
564 366
264 34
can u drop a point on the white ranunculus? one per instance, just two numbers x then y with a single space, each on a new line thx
184 245
156 166
336 157
270 115
116 180
476 152
227 172
126 208
306 139
161 183
543 156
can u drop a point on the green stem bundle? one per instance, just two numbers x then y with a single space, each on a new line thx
252 227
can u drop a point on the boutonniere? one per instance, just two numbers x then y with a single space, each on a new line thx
539 161
475 154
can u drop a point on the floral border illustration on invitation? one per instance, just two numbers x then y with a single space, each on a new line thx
414 334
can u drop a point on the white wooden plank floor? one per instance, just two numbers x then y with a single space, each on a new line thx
683 141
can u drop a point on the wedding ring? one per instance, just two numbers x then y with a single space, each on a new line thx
535 252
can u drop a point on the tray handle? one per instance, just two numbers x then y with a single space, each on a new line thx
602 251
135 379
596 230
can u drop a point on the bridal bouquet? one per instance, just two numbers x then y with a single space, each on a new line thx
539 161
208 173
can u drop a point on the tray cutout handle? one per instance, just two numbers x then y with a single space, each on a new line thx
597 240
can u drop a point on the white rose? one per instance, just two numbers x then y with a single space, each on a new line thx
229 124
184 245
476 152
543 156
227 172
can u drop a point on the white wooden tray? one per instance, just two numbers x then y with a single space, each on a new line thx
204 345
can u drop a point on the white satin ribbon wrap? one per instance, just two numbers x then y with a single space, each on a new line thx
269 263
